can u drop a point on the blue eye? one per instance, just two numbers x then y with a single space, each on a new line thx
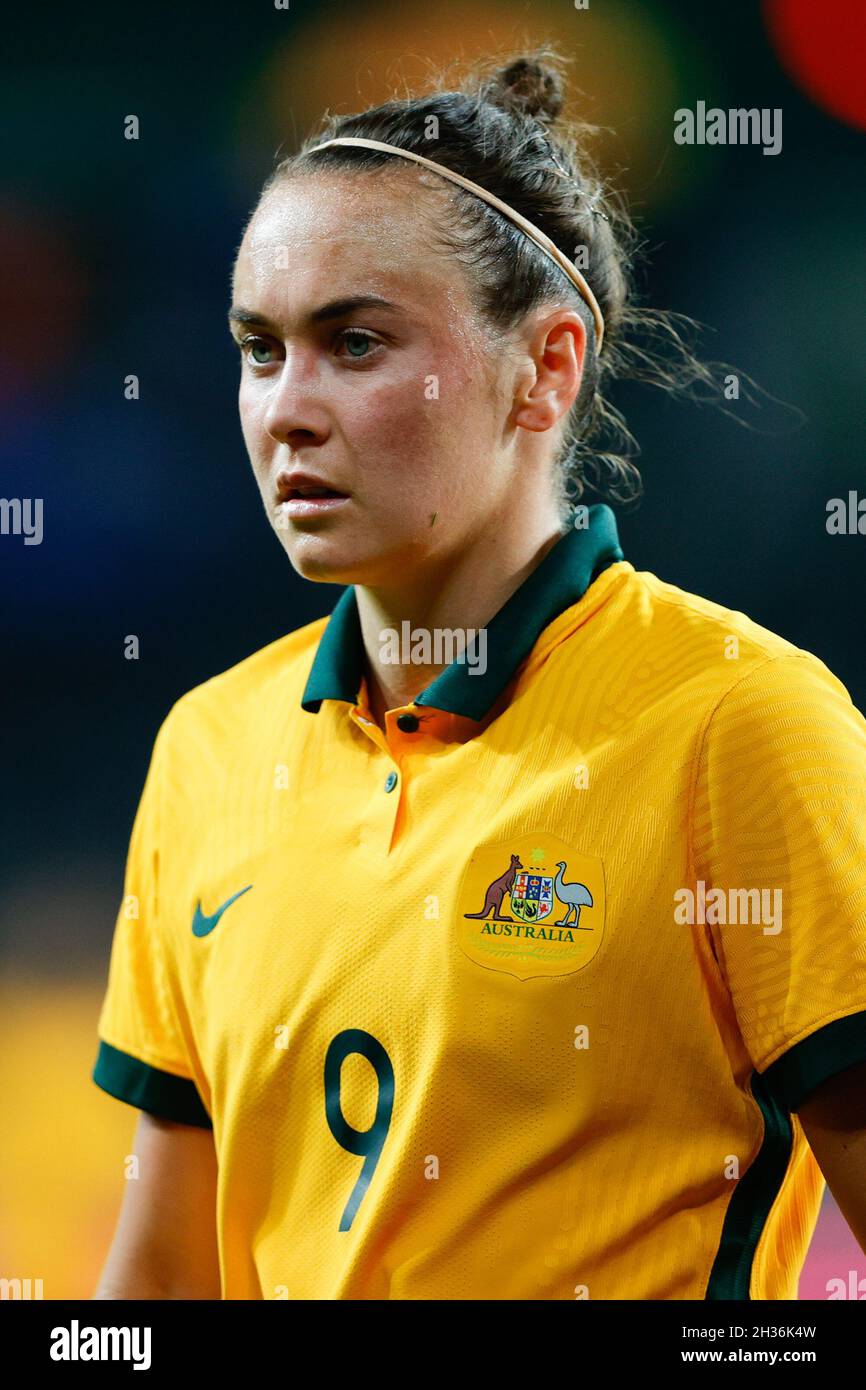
248 348
259 352
357 333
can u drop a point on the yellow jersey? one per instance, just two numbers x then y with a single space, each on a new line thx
518 997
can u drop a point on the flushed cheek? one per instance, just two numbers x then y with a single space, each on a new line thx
399 435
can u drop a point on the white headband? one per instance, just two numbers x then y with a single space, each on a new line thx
544 242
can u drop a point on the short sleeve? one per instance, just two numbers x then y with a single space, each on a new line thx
779 827
142 1057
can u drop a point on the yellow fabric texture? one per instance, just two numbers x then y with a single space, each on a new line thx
406 1105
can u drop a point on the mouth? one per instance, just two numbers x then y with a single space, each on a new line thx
303 494
309 501
299 497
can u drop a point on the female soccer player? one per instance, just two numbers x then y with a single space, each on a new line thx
502 936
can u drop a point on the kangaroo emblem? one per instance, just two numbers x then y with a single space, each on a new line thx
538 922
496 892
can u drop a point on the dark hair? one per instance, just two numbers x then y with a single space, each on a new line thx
497 130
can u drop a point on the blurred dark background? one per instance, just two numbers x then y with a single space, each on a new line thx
116 257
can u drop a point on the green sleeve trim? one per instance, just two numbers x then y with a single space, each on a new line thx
779 1090
146 1087
751 1201
825 1052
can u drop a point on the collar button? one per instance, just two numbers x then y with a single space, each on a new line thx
408 723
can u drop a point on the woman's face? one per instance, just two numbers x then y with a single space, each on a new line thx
397 404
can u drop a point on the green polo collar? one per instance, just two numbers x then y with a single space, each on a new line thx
562 578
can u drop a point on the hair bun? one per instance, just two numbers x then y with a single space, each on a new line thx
530 87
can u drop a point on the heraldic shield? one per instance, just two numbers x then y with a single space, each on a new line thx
531 905
532 896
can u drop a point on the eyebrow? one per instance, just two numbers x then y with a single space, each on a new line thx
334 309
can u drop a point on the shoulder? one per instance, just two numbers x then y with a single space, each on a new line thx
763 706
735 660
262 687
678 612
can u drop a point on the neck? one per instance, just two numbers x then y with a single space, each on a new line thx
450 593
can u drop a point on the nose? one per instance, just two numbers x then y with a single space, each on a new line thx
295 414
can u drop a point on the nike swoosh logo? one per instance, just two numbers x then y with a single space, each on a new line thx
202 925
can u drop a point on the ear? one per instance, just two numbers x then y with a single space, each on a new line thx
557 352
